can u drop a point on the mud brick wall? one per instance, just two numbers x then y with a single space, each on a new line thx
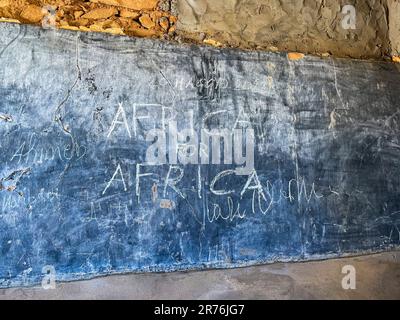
131 17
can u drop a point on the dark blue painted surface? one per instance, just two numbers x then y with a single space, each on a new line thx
327 156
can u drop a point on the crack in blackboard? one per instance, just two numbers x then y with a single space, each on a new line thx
11 42
58 117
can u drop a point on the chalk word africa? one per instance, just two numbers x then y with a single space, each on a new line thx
173 146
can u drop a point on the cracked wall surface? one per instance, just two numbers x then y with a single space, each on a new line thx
308 26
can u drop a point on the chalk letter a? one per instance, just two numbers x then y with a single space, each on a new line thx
117 171
120 112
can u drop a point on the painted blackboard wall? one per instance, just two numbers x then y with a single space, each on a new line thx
77 193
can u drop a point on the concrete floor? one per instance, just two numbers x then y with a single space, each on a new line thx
377 277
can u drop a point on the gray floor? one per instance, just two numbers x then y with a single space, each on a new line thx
377 277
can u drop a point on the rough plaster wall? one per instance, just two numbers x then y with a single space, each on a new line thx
307 26
310 26
394 26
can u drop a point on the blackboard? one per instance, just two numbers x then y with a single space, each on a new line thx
78 194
